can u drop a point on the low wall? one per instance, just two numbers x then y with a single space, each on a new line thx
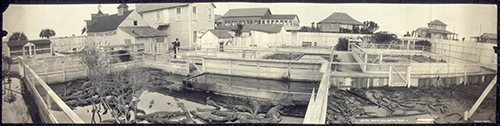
298 98
271 69
443 68
421 82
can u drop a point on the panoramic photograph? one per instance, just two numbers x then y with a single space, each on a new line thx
247 62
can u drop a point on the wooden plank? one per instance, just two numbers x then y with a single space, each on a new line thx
481 98
56 98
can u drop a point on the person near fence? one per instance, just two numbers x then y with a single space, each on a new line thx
176 45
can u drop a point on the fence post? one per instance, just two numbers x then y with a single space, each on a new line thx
366 61
187 67
63 71
258 68
229 66
21 69
408 75
465 75
390 76
203 65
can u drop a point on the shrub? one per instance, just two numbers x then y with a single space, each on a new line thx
342 45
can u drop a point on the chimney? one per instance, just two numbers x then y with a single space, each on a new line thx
122 8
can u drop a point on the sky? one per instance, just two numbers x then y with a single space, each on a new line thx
466 20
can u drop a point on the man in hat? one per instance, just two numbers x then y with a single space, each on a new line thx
176 45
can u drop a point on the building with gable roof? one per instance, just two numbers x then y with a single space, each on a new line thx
216 38
125 28
245 16
338 22
486 37
186 21
436 29
27 48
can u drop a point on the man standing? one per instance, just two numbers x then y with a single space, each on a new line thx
176 45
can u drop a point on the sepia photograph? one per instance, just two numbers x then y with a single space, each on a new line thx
249 63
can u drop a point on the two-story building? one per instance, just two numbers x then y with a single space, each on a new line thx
123 29
233 17
185 21
436 29
338 22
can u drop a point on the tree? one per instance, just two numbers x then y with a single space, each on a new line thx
384 37
407 33
18 36
47 33
239 30
4 33
83 30
369 27
342 45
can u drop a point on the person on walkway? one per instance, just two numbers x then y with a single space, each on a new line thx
176 45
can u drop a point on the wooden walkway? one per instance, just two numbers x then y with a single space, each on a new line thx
316 110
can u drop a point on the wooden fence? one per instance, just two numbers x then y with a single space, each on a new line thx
272 69
50 107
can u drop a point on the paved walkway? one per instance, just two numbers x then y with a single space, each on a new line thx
14 109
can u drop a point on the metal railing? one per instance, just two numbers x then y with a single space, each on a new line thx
50 107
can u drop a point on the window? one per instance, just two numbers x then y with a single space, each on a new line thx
128 41
178 14
209 14
158 15
195 15
159 40
135 23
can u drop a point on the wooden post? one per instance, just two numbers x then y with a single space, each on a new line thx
63 72
258 68
481 98
229 67
390 76
380 58
465 75
203 65
187 66
366 61
290 70
408 74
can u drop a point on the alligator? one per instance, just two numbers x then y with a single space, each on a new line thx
255 105
273 115
212 103
240 108
207 116
160 114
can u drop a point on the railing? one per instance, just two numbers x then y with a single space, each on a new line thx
50 107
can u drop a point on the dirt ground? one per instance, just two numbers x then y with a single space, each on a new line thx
444 104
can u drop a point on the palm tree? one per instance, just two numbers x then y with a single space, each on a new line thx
18 36
47 33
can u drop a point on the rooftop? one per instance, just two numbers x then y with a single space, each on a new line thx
221 33
489 36
247 12
436 31
340 18
23 42
268 28
107 23
143 31
145 7
436 22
